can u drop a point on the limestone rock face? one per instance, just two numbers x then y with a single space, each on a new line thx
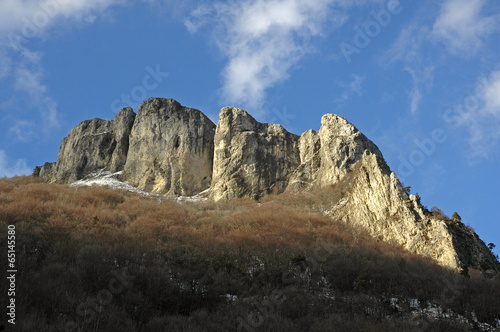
327 156
310 161
92 145
171 149
46 171
251 158
377 202
342 145
341 156
122 126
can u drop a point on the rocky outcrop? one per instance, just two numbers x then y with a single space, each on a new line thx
251 158
122 126
327 156
372 198
171 149
376 201
342 145
166 149
91 146
45 171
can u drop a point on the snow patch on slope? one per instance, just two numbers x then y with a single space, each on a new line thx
104 178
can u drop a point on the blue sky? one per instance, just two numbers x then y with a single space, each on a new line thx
419 78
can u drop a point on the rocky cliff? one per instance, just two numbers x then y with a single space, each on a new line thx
90 146
251 158
170 149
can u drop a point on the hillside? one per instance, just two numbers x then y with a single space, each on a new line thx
169 149
96 259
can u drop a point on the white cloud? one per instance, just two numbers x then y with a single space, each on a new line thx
262 41
462 27
11 168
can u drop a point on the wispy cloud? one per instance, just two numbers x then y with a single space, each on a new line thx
5 64
354 87
263 40
32 17
415 99
462 26
482 118
20 23
408 50
408 46
23 130
50 114
422 80
10 167
29 79
199 17
28 76
491 95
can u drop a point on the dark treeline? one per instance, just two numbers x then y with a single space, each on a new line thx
95 259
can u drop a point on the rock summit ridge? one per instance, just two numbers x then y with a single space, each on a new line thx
170 149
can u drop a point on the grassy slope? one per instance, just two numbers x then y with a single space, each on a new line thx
93 259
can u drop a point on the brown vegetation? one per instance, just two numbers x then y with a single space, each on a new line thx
274 265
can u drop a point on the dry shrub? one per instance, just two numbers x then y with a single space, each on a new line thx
8 184
185 259
96 196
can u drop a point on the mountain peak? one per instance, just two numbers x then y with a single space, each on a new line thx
174 150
